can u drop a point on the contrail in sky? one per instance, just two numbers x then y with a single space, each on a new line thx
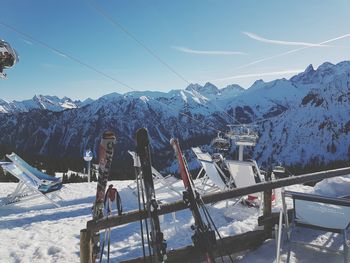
209 52
289 52
292 71
282 42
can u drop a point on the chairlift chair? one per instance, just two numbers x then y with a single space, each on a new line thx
279 169
8 57
220 143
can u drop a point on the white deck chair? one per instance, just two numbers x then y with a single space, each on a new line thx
159 180
315 212
28 187
166 181
35 173
246 173
211 171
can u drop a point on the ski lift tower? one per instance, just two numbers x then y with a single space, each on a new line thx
242 135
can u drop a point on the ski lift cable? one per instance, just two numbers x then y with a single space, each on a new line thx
65 54
132 36
152 53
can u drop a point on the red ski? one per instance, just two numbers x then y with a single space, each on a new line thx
204 237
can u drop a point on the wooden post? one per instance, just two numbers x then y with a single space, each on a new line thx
267 212
85 251
268 208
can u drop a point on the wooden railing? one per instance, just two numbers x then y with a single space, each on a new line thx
265 187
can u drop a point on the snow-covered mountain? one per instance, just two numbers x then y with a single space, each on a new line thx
300 120
51 103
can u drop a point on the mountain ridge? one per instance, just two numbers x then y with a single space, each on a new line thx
300 120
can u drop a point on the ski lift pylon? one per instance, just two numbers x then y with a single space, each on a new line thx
243 134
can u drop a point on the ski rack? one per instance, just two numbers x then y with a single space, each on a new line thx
233 244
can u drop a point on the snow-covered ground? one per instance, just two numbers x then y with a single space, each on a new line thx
35 231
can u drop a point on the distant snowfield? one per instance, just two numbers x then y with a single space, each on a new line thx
35 231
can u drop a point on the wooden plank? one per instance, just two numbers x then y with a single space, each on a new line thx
301 179
229 245
135 215
132 216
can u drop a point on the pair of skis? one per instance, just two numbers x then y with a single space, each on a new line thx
106 150
204 237
142 161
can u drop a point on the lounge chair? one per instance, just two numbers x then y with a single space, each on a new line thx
32 182
210 170
158 179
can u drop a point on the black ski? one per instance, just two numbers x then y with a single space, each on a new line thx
105 155
143 151
204 237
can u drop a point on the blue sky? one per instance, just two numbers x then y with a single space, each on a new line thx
206 40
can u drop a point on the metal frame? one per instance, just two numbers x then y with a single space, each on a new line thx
298 223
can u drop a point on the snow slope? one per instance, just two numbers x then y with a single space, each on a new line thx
36 232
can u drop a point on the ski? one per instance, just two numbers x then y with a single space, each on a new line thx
204 237
157 238
105 155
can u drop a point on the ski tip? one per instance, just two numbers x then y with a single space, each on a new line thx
108 135
142 137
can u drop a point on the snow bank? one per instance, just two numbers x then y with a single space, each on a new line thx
37 232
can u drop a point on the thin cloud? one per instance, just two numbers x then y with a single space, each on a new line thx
282 42
275 73
289 52
209 52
